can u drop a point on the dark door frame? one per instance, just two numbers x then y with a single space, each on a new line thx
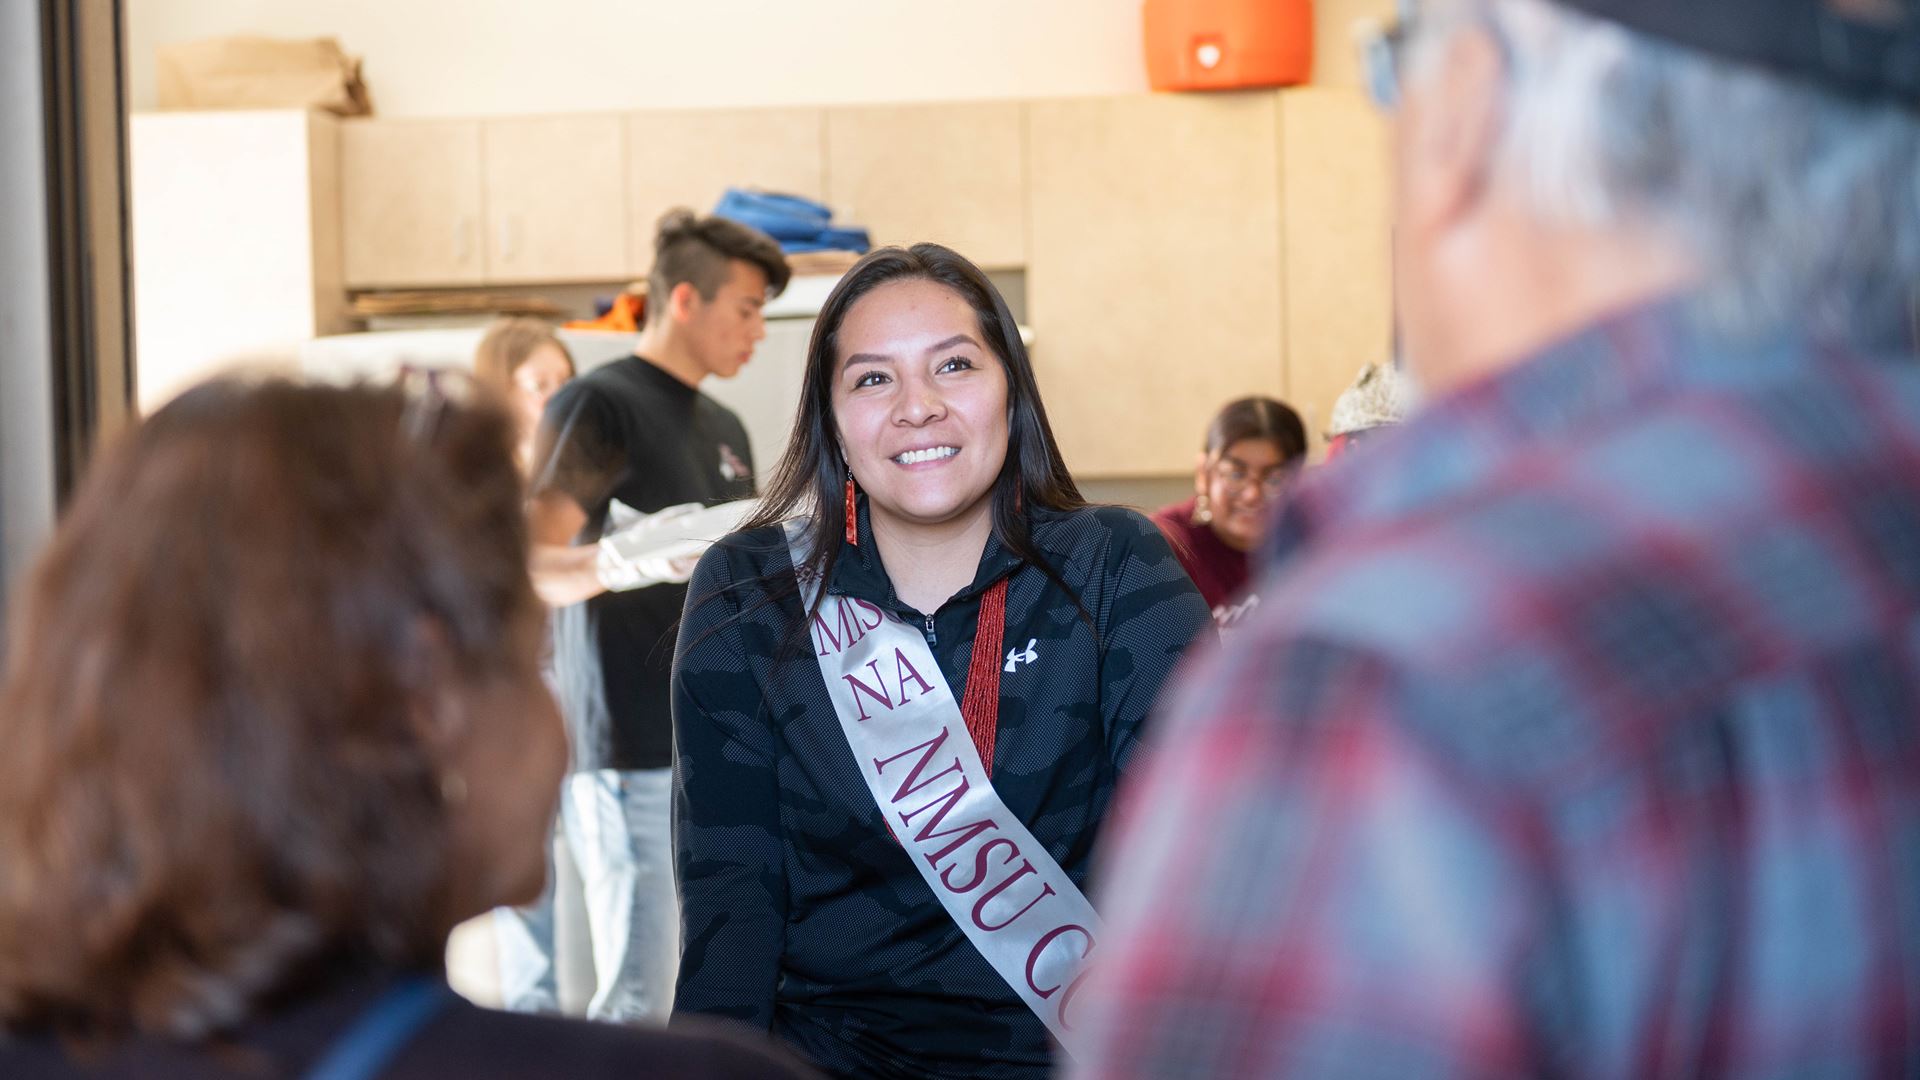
66 352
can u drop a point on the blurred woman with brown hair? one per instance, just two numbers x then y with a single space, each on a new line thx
523 362
273 725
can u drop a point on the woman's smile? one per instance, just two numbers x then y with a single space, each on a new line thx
925 458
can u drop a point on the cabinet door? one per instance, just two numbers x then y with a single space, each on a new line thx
690 158
556 198
1339 279
953 174
1154 286
410 202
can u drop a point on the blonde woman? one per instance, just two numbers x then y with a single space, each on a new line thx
522 360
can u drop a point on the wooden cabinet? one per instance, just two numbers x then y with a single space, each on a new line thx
519 200
556 198
411 203
690 158
954 174
1180 250
1154 283
1339 300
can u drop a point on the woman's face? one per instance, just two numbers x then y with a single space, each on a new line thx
510 755
542 373
920 403
1242 483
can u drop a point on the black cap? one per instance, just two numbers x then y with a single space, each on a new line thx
1864 48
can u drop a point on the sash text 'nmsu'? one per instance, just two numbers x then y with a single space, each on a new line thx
945 814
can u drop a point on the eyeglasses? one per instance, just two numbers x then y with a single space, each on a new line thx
1236 477
1383 49
1383 54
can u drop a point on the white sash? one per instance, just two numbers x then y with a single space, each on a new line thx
1005 892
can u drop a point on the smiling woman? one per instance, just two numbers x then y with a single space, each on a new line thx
900 714
923 331
922 415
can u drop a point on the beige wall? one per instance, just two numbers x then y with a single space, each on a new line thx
493 57
496 57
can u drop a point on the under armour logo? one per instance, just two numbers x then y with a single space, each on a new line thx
1015 657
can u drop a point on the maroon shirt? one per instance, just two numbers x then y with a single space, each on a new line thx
1219 571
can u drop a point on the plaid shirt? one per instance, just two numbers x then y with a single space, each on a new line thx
1576 735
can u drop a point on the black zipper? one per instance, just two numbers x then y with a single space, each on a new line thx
930 638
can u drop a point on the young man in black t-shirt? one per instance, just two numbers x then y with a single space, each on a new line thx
639 431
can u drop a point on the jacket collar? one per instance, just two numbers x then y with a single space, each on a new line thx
859 573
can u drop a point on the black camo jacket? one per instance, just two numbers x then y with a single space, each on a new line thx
802 915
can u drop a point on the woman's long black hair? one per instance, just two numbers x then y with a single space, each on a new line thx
811 477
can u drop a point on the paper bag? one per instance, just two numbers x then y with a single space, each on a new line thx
261 73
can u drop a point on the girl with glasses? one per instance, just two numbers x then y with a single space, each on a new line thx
1254 446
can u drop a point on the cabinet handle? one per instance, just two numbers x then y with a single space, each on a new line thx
509 237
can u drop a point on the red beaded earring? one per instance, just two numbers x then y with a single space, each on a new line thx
853 516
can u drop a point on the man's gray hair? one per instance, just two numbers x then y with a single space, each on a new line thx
1803 205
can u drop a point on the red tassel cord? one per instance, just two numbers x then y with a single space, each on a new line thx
981 705
853 515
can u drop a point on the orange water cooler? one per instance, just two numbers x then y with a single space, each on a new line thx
1228 44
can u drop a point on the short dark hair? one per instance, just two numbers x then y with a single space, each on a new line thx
1261 418
212 782
699 251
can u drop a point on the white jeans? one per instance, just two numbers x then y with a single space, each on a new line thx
618 828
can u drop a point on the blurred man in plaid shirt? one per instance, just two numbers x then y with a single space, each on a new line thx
1580 731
